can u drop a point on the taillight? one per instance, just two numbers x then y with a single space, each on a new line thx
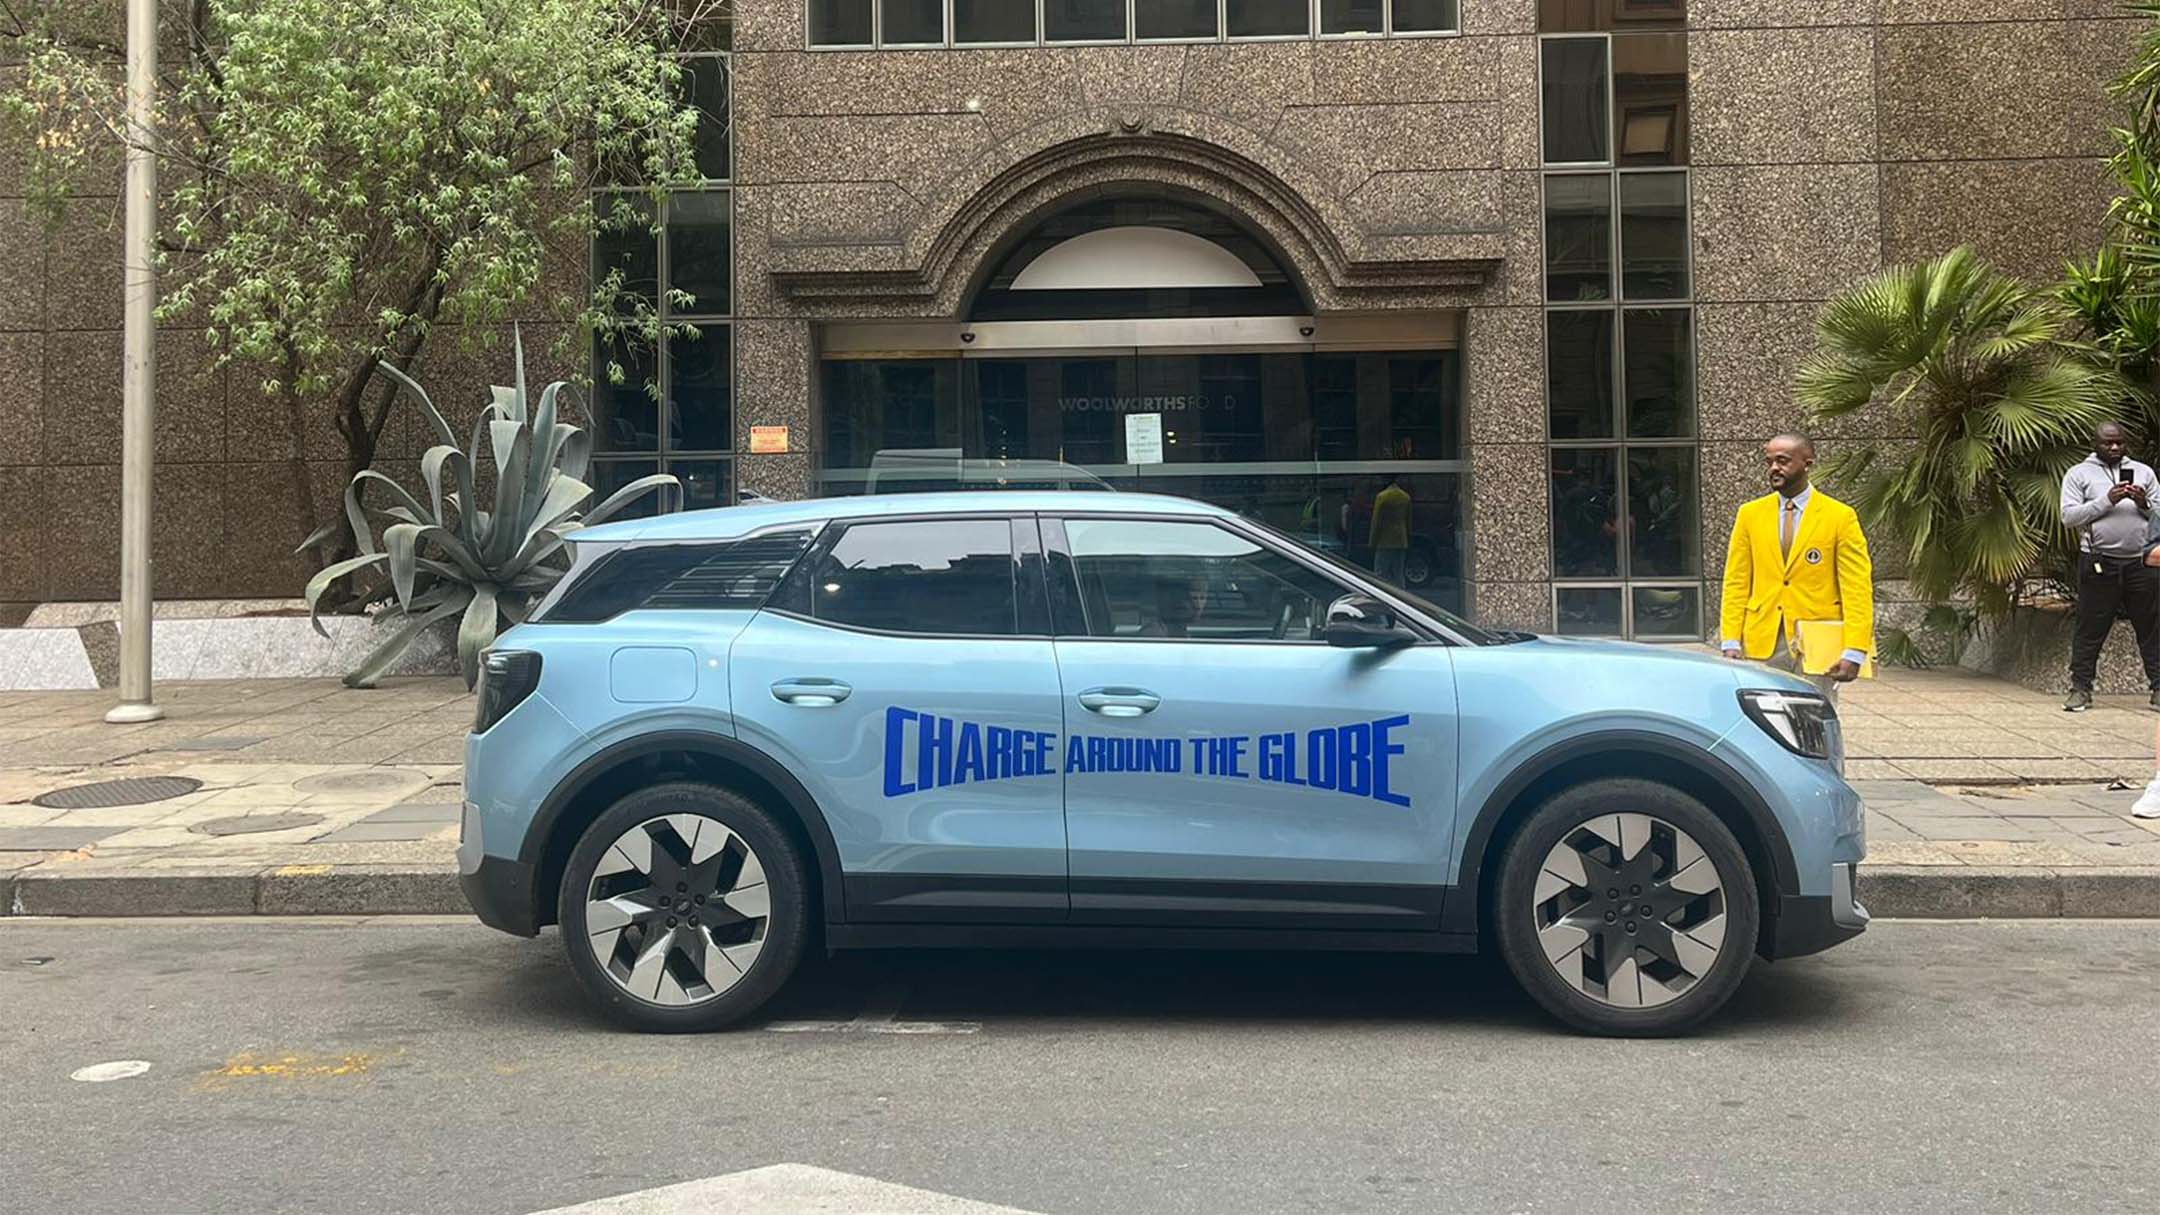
506 678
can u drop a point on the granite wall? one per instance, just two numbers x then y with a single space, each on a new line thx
1829 139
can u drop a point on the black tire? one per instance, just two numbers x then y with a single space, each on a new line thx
786 928
1514 909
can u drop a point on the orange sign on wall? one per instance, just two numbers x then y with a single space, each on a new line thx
765 440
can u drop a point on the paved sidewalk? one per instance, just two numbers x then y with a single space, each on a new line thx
314 798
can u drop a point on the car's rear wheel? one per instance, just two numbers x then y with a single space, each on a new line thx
1626 907
683 907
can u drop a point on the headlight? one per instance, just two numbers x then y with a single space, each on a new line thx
1803 721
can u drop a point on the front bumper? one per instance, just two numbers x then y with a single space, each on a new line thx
500 889
1808 924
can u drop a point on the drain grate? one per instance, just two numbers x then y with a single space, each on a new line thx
104 795
255 824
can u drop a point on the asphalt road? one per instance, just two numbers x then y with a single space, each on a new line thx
435 1066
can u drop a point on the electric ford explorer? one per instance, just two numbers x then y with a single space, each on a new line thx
998 719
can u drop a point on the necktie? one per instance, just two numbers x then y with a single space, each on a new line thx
1786 524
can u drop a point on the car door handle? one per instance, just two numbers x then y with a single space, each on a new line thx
811 693
1119 702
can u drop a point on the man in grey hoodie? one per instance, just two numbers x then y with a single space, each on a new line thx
2108 499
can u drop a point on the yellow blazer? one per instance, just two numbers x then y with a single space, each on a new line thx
1827 577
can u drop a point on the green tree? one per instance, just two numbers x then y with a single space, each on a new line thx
2115 293
1973 365
345 178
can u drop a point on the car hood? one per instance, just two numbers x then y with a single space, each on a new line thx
1667 657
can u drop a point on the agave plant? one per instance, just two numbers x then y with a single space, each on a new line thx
446 556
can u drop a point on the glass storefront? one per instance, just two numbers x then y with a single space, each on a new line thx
1318 444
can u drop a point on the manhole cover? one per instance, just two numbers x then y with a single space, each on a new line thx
366 780
134 791
253 824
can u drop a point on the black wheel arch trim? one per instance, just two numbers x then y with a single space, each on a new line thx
1461 913
533 851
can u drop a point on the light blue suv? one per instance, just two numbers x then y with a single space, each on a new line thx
999 719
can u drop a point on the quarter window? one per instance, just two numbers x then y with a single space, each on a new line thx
940 576
1196 581
734 574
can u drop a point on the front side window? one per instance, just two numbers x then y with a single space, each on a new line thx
1193 581
932 576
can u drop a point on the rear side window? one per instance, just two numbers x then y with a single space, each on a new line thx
948 576
700 576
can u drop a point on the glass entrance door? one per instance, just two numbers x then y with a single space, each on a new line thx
1355 452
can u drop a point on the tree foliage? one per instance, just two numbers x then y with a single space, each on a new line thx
343 177
1973 364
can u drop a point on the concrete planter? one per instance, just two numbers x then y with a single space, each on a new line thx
77 645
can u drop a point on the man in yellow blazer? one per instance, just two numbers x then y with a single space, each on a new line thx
1797 554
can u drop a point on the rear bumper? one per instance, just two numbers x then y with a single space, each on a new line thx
1812 923
500 889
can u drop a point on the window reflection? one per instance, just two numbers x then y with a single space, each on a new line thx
1660 373
1174 18
1586 513
1654 235
1650 97
1309 443
1579 373
1662 512
1578 237
1575 102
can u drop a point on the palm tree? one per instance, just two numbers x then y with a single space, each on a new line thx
1974 365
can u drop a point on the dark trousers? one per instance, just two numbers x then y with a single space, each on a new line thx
2108 586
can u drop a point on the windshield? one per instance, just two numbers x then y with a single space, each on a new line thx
1463 628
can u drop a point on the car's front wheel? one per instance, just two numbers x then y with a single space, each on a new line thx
1626 907
683 907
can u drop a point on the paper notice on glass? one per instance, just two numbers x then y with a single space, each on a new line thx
1143 438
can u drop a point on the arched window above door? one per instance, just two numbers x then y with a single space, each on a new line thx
1127 258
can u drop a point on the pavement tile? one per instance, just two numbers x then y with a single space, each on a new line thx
1872 769
52 839
418 812
26 816
1952 771
381 832
2010 852
1971 828
1906 852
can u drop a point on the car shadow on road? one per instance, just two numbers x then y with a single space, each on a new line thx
1103 988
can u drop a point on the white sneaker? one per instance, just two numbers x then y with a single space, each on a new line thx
2148 802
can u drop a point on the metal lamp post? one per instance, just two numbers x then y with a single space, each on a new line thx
139 371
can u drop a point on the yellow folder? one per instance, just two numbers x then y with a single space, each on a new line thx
1821 644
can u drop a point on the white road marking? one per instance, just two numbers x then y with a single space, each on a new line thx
785 1189
118 1069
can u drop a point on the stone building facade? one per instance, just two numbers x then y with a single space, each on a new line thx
1550 264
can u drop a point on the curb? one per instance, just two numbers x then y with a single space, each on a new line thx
1918 892
275 890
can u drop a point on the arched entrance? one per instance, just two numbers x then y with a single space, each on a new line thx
1160 346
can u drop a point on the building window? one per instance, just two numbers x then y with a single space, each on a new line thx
672 410
1620 331
897 24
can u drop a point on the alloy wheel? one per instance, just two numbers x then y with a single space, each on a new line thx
677 910
1630 910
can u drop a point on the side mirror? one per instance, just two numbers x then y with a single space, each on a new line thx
1363 622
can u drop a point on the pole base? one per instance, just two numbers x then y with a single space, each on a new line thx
132 713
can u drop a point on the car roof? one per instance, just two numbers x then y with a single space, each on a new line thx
725 521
